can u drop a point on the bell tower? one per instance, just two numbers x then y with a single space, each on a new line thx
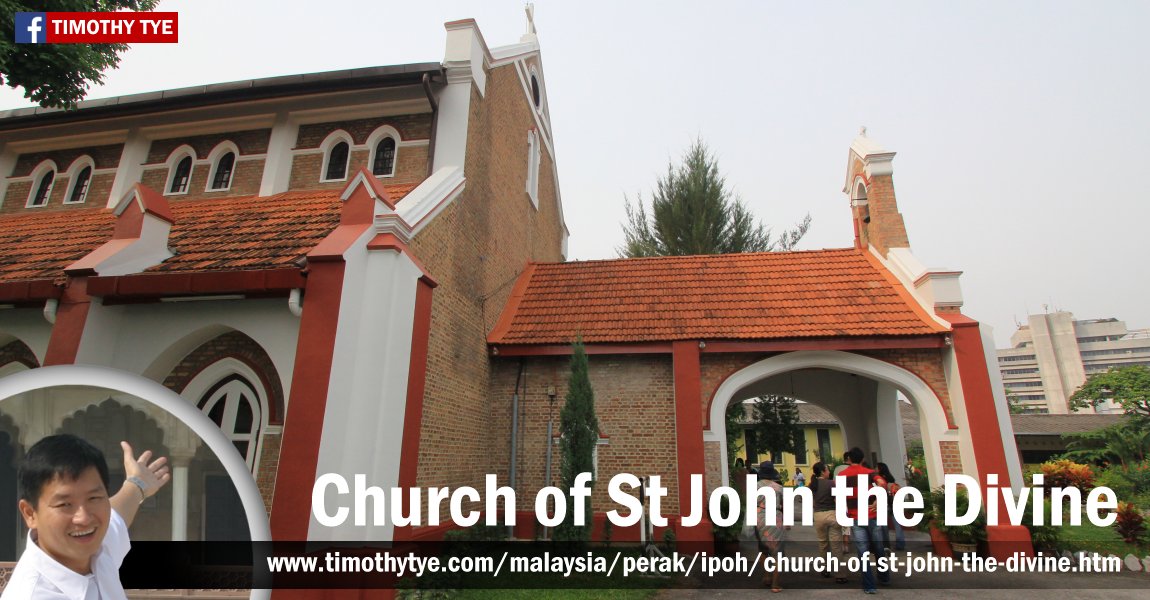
870 186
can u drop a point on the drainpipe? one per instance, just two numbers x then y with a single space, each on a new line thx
50 310
295 302
514 436
434 124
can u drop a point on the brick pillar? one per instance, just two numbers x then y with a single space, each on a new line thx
985 434
689 435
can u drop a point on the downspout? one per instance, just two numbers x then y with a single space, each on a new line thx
514 436
50 310
295 303
434 126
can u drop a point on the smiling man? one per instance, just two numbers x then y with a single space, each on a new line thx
78 534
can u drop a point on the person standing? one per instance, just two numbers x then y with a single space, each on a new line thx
799 479
891 487
827 529
771 533
867 538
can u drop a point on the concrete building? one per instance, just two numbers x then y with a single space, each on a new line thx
1052 355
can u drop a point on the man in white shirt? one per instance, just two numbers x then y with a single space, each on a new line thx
78 535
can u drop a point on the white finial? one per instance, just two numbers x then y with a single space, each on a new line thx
529 8
862 131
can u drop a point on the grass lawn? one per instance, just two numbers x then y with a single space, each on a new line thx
1098 539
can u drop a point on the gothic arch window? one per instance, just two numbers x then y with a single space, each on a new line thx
235 407
383 164
336 156
180 164
80 187
42 179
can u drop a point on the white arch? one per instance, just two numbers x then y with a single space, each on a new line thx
38 173
216 372
373 140
214 157
931 414
333 138
856 198
162 397
74 171
172 162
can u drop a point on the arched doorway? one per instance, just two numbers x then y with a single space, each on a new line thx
861 391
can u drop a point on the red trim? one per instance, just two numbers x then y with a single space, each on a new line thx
303 424
389 241
903 293
511 307
866 343
71 316
156 285
151 202
689 430
332 247
978 396
416 386
29 291
722 347
557 350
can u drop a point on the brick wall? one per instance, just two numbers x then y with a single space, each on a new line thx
104 157
927 364
635 406
951 458
246 175
886 228
411 161
476 248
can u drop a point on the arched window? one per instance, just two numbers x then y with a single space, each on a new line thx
181 176
234 406
222 175
337 162
42 189
80 183
384 163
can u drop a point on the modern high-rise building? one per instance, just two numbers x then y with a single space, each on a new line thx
1052 355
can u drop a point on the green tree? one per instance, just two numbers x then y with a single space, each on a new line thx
1129 387
693 212
580 432
734 419
58 75
777 423
1125 443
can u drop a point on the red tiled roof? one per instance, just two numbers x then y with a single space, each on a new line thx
775 295
219 234
39 244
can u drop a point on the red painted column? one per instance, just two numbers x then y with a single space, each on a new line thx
71 316
689 433
303 424
982 420
416 385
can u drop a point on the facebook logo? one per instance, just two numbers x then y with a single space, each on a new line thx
30 27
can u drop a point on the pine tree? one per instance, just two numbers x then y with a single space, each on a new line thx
777 423
693 212
580 432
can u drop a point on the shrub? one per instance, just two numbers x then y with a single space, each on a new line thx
1044 537
1138 474
1130 522
1115 479
1063 473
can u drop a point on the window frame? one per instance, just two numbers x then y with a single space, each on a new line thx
174 159
329 144
42 170
216 157
78 167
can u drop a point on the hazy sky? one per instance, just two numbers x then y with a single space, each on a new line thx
1019 126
